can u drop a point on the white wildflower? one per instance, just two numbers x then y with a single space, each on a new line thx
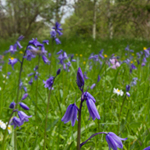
118 92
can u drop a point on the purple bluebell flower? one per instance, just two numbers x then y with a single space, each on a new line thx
19 45
24 106
46 42
80 79
134 81
20 85
71 114
143 64
8 73
127 61
94 57
25 89
90 101
127 88
31 81
46 61
85 76
49 83
114 141
58 71
24 96
68 64
132 67
29 55
101 54
12 105
128 94
64 66
35 42
146 52
12 62
36 75
12 49
147 148
93 85
36 67
138 62
98 79
144 60
23 117
0 68
127 48
43 51
49 54
59 52
57 41
16 122
57 28
53 34
30 74
20 38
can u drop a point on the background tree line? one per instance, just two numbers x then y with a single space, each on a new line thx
95 18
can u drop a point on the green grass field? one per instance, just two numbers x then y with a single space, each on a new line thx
125 116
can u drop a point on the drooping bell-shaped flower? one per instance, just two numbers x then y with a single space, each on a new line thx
57 41
71 114
23 117
12 62
90 101
16 122
49 83
114 141
147 148
46 61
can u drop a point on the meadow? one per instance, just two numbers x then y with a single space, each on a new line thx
126 116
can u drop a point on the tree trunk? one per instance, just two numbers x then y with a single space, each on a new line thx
94 20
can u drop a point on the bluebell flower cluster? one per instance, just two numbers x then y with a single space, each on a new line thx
56 30
22 117
86 96
65 60
13 48
36 48
97 57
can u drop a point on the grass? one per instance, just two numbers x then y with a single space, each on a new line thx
135 115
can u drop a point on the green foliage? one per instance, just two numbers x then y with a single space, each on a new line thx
135 114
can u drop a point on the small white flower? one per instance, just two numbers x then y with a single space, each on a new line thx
118 92
4 81
4 76
2 125
0 88
9 129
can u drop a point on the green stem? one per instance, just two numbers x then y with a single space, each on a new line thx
79 126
